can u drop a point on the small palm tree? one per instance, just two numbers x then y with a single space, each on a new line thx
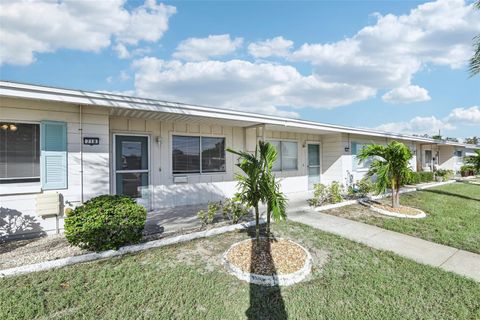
259 184
474 161
390 166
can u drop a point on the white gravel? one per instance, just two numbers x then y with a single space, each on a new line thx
22 252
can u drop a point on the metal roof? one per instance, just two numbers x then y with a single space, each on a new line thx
142 105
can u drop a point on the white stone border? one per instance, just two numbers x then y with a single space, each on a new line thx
59 263
420 215
274 280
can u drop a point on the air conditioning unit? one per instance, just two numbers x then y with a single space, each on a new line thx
48 204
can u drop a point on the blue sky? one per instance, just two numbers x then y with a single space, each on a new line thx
393 65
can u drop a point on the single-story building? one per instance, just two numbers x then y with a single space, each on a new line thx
61 147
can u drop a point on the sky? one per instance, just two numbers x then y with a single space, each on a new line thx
399 66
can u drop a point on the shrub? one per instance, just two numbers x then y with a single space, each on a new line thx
233 210
467 170
445 174
320 195
335 192
365 187
420 177
207 216
105 222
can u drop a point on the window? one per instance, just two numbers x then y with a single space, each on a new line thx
365 164
192 154
287 155
19 152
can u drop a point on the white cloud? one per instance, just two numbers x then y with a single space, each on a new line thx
418 125
388 53
239 84
197 49
431 125
407 94
29 27
122 51
277 46
469 116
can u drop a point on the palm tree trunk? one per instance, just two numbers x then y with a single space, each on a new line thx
257 224
268 221
395 194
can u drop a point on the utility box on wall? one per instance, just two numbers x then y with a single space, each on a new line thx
48 204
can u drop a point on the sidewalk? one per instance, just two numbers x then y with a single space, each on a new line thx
451 259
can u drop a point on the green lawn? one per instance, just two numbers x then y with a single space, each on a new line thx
453 216
187 281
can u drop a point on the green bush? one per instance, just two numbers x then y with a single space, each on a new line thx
207 217
365 187
105 222
467 170
420 177
233 210
320 195
445 174
335 191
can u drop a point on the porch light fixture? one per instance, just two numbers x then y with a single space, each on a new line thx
12 127
347 148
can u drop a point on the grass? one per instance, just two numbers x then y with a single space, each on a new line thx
453 216
187 281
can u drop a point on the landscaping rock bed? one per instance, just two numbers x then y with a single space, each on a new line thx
400 212
270 262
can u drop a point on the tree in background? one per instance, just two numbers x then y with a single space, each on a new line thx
473 140
475 60
474 161
391 166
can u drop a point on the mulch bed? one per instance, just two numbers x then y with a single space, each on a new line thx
401 209
275 256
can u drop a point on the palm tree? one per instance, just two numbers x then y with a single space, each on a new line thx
390 166
474 161
475 60
258 184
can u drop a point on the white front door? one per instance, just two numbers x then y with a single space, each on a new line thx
313 165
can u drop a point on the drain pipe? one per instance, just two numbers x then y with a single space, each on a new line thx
80 129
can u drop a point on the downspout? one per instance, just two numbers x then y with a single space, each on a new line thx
80 129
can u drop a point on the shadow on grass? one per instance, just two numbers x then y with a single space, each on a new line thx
451 194
265 302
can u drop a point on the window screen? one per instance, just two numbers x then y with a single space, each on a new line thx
186 154
213 154
19 152
287 155
187 158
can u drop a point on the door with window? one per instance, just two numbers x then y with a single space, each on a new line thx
428 159
313 165
132 168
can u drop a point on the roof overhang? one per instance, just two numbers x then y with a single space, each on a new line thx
164 110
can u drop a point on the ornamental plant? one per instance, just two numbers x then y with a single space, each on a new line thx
391 166
105 222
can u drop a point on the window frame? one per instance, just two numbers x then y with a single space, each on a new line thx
281 155
30 185
199 135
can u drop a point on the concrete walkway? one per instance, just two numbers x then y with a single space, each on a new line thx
451 259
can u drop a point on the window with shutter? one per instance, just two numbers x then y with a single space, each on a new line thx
54 155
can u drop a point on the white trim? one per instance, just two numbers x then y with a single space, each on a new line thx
149 163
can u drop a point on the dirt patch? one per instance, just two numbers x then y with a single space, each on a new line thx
267 257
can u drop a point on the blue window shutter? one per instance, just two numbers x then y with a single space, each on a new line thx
354 156
54 154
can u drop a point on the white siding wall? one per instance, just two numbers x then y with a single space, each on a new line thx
96 158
